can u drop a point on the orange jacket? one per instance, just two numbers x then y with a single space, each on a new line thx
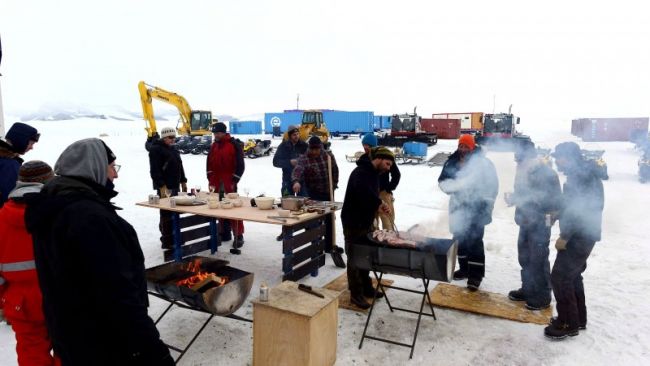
20 295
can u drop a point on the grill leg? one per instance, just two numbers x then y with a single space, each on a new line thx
193 339
417 325
381 287
372 306
426 291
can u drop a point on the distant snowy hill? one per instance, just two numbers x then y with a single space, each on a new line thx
58 113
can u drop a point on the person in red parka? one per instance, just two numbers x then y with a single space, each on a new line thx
225 166
20 294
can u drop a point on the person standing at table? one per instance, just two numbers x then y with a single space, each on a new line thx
168 177
224 169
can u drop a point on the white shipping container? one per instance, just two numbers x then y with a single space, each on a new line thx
465 119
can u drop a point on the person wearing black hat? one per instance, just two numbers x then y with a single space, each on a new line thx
286 157
20 294
360 206
90 265
224 169
581 214
537 198
311 176
19 140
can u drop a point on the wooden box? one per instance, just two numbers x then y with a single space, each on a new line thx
295 328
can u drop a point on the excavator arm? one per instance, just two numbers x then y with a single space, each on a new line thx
147 93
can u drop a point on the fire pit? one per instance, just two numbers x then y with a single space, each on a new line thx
201 282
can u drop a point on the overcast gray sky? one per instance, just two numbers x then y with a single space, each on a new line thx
550 60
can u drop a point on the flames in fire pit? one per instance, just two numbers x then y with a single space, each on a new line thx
200 280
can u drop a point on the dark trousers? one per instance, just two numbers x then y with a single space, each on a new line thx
328 220
165 224
566 278
532 247
471 255
358 279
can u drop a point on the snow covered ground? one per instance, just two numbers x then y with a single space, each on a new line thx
617 281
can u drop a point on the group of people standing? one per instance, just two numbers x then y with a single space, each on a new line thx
470 179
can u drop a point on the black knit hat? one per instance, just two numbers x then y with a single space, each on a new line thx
109 153
219 127
19 136
35 171
315 141
567 150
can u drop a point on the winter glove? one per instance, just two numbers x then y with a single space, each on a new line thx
164 192
235 179
184 187
560 244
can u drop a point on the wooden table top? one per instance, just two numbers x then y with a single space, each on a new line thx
245 213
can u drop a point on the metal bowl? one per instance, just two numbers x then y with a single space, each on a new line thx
292 203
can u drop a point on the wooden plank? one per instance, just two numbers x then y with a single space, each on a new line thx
302 255
196 233
305 269
341 284
193 220
189 249
289 244
487 303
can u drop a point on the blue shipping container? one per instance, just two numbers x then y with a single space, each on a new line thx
337 122
354 123
415 149
246 127
382 122
282 120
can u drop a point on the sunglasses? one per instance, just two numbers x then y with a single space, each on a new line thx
117 167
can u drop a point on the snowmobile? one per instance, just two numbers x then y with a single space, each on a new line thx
202 146
254 148
597 157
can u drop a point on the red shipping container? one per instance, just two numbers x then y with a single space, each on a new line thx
444 128
611 129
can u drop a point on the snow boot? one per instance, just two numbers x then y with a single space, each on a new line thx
460 275
558 331
517 295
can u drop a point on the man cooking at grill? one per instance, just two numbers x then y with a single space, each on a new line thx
360 207
537 198
470 180
312 170
387 183
90 265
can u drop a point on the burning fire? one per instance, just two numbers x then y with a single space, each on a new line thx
195 267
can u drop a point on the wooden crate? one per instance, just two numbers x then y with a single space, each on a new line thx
295 328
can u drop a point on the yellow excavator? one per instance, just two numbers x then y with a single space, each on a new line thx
192 122
312 125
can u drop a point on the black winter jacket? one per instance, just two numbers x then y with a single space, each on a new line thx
165 166
91 272
361 200
472 188
583 200
283 155
537 192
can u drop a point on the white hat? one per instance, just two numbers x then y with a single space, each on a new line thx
167 132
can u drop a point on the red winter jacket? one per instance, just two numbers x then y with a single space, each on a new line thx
225 163
20 296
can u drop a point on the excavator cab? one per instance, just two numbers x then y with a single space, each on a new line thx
199 123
